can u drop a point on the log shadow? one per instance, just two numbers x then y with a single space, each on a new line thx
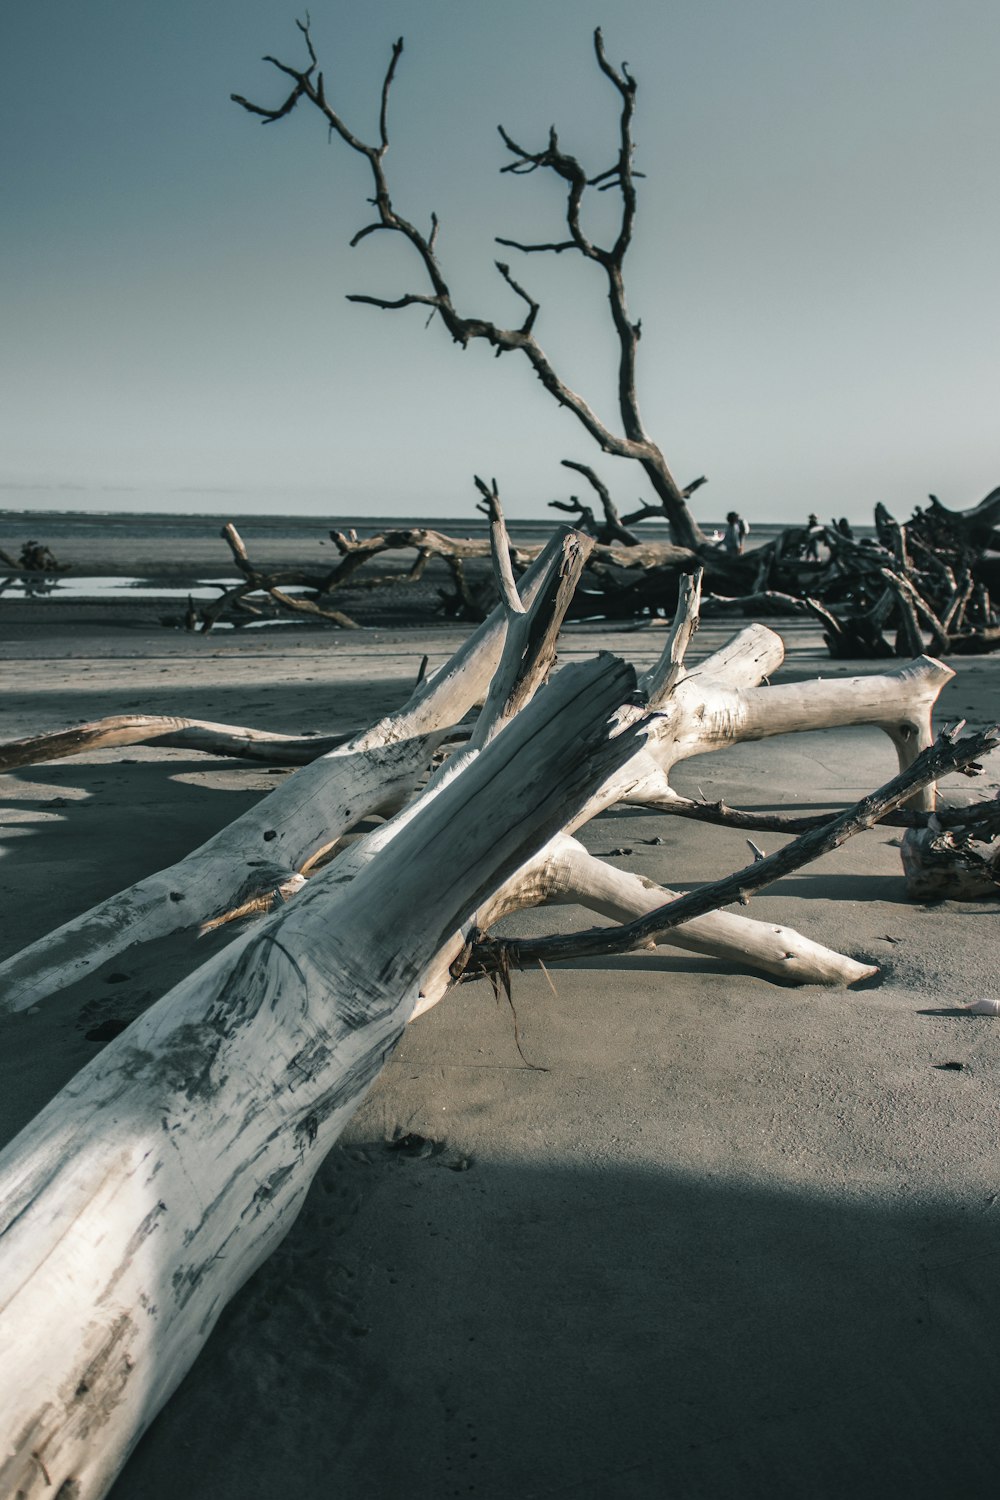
509 1328
666 962
818 885
669 961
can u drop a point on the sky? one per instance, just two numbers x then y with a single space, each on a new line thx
816 261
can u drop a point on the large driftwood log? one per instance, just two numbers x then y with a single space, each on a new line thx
690 716
140 1200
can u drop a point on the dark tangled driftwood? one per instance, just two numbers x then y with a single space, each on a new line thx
929 584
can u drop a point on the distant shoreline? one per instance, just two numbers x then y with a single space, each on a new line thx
128 567
17 525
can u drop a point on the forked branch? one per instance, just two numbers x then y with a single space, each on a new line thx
632 441
947 754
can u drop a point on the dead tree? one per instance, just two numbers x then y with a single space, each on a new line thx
922 584
625 578
630 440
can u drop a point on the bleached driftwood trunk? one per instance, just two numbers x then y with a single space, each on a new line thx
692 714
707 713
143 1196
564 873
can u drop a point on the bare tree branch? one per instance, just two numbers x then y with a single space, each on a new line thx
556 247
632 442
616 531
391 303
660 681
500 548
979 819
529 321
945 755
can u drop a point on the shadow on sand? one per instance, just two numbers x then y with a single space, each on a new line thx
434 1327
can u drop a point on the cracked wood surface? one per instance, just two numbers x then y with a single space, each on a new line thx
142 1197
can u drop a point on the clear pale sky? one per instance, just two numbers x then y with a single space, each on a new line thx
816 265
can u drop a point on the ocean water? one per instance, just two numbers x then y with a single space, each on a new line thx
53 526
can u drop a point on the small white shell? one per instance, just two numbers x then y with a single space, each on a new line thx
984 1008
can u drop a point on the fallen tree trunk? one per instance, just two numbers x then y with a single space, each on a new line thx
264 590
122 1236
692 713
143 1196
260 853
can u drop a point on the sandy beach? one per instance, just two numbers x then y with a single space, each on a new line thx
717 1237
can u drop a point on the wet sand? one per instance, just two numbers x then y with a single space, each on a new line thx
735 1239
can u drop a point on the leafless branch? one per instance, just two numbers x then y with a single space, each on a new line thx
500 547
529 321
616 531
979 819
947 754
392 303
556 247
660 681
632 442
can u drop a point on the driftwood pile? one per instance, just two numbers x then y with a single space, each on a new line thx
928 584
138 1202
